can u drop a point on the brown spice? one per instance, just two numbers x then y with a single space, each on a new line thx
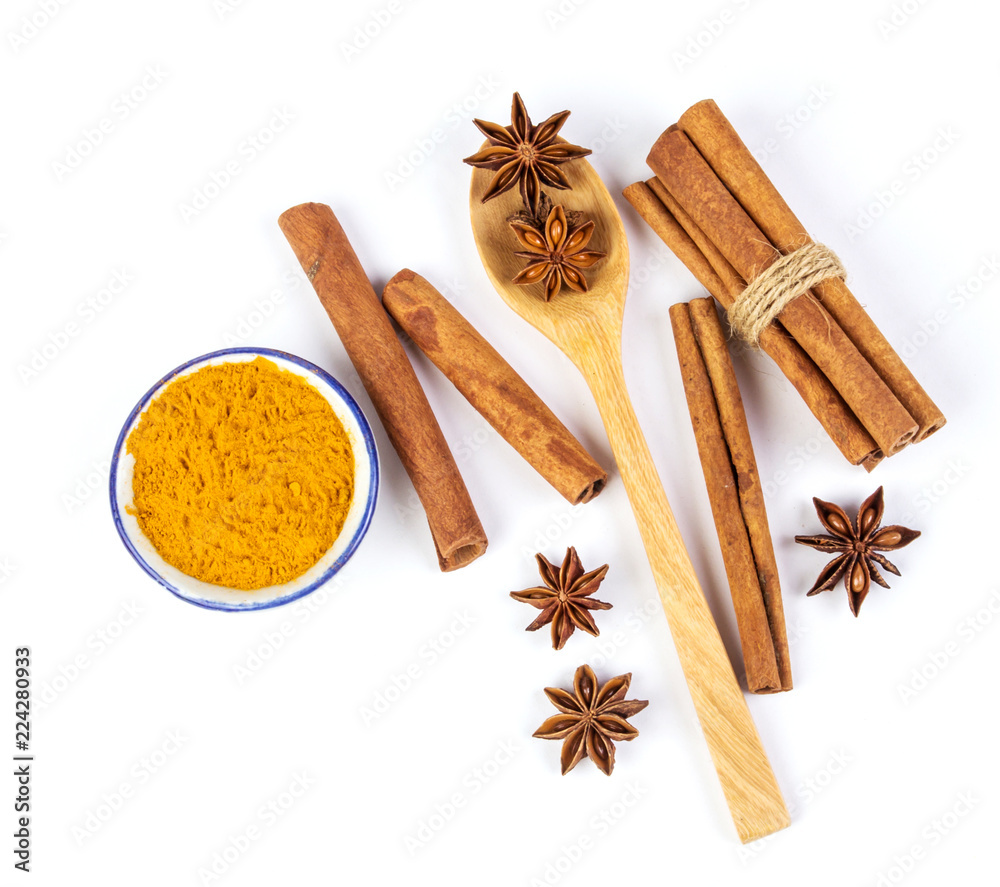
734 490
524 154
856 547
557 251
492 386
593 718
719 143
687 241
565 599
694 184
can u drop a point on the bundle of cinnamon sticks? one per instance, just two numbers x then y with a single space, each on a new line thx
714 206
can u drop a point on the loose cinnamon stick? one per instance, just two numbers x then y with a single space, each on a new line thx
326 255
492 386
693 183
734 491
684 239
718 142
711 340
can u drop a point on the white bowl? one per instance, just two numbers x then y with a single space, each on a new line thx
217 597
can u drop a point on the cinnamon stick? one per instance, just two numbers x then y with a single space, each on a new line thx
734 491
330 263
712 342
492 386
693 183
718 142
732 281
663 222
687 241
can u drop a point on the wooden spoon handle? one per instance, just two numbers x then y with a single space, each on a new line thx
748 782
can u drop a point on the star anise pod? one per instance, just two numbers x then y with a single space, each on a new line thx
525 154
593 718
557 252
536 218
856 547
565 599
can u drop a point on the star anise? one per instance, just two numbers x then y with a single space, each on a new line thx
565 598
536 218
525 154
593 718
856 547
557 251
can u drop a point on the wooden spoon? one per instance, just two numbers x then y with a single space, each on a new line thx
587 327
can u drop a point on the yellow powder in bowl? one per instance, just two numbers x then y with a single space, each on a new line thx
243 474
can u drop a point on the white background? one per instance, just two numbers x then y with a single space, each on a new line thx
892 778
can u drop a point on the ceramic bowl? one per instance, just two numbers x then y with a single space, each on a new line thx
217 597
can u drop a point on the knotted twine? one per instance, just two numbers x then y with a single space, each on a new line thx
771 290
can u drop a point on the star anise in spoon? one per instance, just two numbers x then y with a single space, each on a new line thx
525 155
557 250
856 547
593 718
565 599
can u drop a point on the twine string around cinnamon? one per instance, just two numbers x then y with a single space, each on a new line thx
770 291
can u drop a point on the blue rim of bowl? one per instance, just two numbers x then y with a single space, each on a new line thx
366 518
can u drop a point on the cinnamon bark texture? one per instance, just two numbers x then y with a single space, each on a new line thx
734 491
330 263
664 223
492 386
695 186
718 142
687 241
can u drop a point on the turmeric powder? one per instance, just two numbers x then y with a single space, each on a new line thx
243 474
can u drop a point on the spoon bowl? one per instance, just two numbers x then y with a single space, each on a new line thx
569 318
